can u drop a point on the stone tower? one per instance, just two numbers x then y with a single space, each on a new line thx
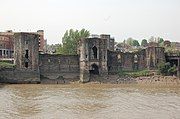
26 47
154 55
93 58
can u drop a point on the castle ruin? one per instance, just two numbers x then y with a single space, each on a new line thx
96 57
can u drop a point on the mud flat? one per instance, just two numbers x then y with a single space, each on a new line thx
156 80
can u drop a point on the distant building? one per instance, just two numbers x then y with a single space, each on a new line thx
7 43
167 43
6 47
41 40
176 45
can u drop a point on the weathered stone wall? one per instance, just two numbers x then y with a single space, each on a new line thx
141 59
154 56
26 42
119 60
12 75
93 57
113 63
59 63
126 61
54 66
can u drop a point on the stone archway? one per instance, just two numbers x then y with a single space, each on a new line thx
95 69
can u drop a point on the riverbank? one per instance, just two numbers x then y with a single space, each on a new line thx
109 79
157 80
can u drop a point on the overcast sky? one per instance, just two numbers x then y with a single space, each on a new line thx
121 18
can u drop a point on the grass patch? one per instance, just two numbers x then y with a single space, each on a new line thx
136 73
6 65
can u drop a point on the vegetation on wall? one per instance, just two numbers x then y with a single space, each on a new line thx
132 42
166 69
6 65
135 73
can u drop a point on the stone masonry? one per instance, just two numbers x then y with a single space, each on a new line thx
96 57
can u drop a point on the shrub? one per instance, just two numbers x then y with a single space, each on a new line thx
136 73
166 69
6 65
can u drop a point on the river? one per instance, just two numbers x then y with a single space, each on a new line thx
88 101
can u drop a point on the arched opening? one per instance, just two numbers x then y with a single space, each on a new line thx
94 52
95 69
135 62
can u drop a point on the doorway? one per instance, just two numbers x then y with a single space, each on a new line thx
95 69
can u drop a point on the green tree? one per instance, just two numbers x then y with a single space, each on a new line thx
70 41
129 41
160 40
144 43
135 43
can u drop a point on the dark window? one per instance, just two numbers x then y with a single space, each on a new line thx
26 64
0 52
157 61
94 52
26 55
26 42
26 58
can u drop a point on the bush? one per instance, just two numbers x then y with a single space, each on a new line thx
166 69
6 65
136 73
172 70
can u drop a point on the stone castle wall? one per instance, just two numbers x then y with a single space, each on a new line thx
126 61
59 63
26 44
154 55
94 59
54 66
12 75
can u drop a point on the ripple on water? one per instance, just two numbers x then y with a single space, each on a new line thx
88 101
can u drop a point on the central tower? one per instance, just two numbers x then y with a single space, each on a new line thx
93 58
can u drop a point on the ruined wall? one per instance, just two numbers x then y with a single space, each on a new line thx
119 60
110 41
154 56
126 61
59 63
12 75
53 66
93 58
114 63
142 59
26 46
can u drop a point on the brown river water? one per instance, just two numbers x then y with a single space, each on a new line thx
88 101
